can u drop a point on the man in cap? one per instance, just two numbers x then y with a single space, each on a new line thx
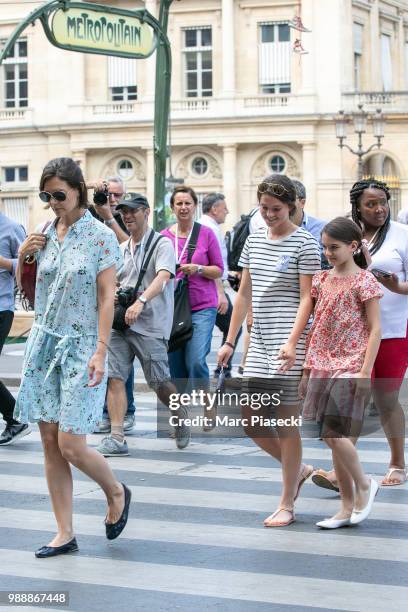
149 317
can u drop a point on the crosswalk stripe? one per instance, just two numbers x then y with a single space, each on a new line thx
207 534
225 449
244 586
197 498
163 467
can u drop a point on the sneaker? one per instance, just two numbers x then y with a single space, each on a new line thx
129 422
14 432
182 431
110 447
104 426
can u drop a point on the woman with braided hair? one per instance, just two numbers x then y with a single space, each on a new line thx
387 256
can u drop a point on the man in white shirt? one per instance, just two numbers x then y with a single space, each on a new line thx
403 216
215 211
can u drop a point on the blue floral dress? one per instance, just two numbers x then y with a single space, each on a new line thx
64 335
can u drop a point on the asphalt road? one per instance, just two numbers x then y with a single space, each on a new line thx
195 539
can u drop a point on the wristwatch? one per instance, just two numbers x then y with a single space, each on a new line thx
142 299
200 269
110 221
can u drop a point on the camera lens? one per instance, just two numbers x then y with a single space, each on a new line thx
100 198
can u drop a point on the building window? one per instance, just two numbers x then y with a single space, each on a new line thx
125 169
15 174
15 76
274 58
277 164
199 166
358 52
17 209
386 62
197 53
122 79
124 94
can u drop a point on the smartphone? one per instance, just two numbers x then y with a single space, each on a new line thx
379 272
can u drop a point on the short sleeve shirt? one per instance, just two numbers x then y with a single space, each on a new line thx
66 290
202 291
339 334
392 256
156 317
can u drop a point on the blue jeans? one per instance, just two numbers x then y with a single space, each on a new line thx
189 363
129 394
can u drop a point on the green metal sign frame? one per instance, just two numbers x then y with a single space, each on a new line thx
161 45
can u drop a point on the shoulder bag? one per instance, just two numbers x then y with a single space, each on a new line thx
28 278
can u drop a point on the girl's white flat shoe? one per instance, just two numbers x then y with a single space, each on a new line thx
332 523
358 516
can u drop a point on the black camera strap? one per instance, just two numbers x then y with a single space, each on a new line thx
146 260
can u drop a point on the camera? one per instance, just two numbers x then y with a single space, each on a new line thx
101 197
125 296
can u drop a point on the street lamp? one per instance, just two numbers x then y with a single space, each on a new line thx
360 119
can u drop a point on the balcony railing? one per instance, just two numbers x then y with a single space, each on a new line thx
12 114
200 107
139 111
114 108
393 101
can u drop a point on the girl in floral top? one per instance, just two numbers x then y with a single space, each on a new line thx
341 348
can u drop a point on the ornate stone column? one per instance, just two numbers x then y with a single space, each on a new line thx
230 181
228 48
309 178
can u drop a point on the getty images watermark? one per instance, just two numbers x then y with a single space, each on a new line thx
210 402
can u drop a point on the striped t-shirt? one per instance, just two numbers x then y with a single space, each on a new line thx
275 266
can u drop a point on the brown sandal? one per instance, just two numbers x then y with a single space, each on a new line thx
320 479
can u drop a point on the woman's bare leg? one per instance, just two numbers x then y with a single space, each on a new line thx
75 450
393 422
59 481
344 481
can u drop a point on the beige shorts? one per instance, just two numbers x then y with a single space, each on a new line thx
151 352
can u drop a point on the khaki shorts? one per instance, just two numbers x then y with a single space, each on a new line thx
151 352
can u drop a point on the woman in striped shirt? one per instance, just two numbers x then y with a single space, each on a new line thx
278 265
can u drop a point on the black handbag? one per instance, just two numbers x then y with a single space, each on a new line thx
182 328
119 323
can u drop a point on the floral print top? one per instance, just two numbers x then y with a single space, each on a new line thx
66 290
339 334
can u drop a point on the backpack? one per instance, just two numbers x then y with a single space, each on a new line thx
235 240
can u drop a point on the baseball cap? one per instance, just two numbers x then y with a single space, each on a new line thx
133 200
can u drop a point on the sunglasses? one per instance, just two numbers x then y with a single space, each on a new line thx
272 188
58 196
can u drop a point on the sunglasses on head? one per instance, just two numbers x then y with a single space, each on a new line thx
272 188
59 196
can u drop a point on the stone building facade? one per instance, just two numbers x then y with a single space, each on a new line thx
244 102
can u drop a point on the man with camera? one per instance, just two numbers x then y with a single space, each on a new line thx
107 194
144 316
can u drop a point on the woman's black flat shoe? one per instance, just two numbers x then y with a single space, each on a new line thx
53 551
113 530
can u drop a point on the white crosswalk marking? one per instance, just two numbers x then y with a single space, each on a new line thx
195 539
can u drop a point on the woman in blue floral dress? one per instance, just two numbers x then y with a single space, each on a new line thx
64 380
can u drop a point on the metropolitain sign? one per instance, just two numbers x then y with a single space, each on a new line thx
112 31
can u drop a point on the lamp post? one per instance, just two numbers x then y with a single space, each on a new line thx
360 120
